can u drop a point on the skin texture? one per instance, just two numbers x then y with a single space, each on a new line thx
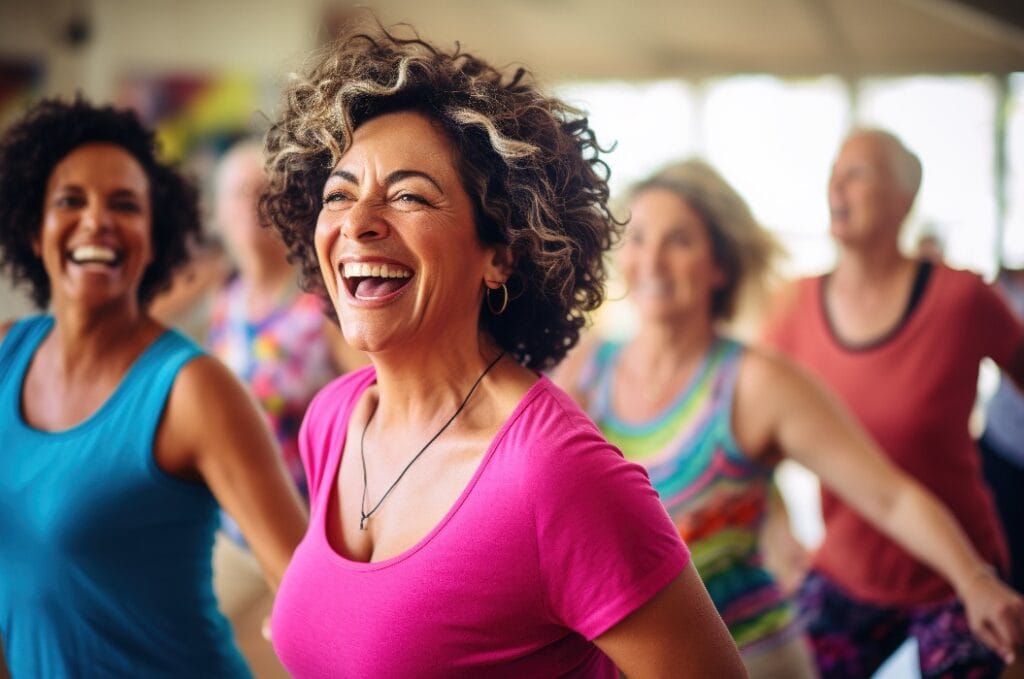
668 263
99 195
396 197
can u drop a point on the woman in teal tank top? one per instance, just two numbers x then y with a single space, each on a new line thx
709 417
119 436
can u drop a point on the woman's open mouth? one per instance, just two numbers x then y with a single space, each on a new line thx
374 280
94 254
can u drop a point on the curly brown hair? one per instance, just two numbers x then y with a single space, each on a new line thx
529 162
34 145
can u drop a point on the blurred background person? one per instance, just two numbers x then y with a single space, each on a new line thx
710 418
900 341
120 436
279 341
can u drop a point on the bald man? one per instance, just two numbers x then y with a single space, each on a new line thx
900 341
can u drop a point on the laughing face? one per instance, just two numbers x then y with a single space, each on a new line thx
95 239
396 239
667 258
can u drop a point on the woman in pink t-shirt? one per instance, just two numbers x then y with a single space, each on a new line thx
467 518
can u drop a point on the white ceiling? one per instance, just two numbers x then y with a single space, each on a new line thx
694 38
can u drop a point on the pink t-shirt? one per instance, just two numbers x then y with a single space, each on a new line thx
555 539
913 392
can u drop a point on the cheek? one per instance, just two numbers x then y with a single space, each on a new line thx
324 237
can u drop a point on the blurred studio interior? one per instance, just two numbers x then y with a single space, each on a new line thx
765 91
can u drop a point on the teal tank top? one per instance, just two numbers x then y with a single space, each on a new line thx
105 560
714 493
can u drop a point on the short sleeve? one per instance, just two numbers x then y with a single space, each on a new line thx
606 544
998 329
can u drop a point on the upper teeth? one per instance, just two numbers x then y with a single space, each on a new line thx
93 253
362 269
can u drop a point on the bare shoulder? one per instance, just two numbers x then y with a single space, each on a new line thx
762 367
207 392
206 404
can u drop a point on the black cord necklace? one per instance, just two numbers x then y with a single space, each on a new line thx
364 515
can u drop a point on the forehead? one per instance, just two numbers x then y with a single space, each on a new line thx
865 149
660 205
404 139
100 165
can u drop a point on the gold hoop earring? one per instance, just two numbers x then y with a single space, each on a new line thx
504 300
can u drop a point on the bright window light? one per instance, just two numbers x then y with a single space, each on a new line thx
1013 236
949 122
650 123
775 140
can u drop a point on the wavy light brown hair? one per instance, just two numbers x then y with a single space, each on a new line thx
529 162
742 248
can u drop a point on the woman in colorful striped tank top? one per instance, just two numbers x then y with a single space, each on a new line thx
709 417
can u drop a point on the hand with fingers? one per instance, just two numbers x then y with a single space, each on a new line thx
995 613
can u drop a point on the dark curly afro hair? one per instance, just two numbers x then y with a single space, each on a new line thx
529 162
30 150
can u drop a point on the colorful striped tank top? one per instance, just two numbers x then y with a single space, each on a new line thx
715 495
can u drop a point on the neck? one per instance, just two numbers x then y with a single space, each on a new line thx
94 340
423 388
672 342
870 266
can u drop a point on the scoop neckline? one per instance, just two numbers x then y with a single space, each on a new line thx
926 270
717 347
333 467
97 416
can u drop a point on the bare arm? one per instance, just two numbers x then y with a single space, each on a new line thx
212 431
678 634
809 424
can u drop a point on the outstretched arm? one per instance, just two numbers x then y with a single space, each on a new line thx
810 425
212 431
678 633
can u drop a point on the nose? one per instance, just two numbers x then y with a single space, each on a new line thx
650 257
95 217
362 221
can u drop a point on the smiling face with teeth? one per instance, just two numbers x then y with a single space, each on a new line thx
95 238
396 239
667 258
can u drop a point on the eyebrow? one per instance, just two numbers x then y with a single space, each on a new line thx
393 178
116 193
